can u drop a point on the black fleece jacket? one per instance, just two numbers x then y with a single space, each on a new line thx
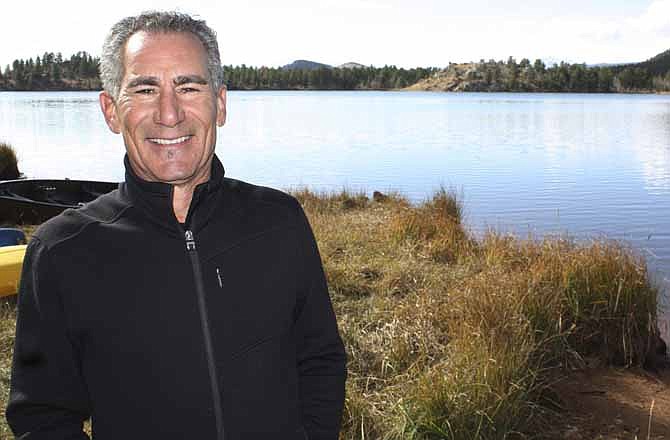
219 329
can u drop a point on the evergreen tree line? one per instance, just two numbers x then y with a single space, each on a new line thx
658 65
80 72
524 76
52 72
360 78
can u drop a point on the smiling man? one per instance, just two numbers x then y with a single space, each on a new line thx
167 112
185 304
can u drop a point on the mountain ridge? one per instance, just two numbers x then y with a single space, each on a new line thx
306 65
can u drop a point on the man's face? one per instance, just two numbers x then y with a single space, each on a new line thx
167 110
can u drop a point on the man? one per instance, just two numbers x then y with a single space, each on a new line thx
183 305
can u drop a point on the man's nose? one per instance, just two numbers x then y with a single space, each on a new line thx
169 110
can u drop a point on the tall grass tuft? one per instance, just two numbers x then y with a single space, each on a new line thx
324 202
9 169
436 226
482 390
454 337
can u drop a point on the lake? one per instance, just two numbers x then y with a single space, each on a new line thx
587 165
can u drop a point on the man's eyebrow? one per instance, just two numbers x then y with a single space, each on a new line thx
143 81
190 79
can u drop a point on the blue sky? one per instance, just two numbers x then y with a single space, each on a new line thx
401 32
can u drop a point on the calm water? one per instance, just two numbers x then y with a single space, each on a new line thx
588 165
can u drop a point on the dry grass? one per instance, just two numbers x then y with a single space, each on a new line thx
452 337
7 320
8 162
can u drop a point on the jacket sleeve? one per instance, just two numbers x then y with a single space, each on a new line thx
320 353
48 398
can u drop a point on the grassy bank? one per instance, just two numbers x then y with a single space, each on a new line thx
456 337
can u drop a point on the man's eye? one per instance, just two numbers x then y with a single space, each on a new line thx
144 91
189 89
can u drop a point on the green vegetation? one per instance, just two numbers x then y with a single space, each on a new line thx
80 72
52 72
524 76
367 78
9 169
455 337
657 65
659 68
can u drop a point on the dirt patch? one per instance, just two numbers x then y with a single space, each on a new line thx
616 404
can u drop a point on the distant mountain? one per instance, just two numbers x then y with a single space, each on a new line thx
313 65
351 66
305 65
609 64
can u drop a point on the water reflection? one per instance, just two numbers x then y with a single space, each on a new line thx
655 157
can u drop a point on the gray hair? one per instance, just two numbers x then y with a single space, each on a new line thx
111 61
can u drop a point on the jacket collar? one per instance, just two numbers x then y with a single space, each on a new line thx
154 199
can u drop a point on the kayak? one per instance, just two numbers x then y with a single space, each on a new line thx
11 261
33 201
12 237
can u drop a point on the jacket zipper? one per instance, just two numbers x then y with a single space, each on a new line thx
200 291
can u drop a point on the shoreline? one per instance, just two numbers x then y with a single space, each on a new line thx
406 89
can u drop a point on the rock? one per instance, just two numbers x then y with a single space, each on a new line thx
379 197
657 358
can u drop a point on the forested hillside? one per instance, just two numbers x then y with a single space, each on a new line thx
658 69
524 76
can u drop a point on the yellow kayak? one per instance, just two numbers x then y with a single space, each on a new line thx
11 260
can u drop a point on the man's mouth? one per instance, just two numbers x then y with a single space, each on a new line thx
165 141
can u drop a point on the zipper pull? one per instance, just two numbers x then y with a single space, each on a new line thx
190 241
218 276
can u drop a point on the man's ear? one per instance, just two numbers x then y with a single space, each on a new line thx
108 107
221 106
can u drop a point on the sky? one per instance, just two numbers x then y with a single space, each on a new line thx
405 33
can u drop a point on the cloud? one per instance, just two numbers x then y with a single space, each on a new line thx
656 19
633 38
428 33
606 39
603 32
